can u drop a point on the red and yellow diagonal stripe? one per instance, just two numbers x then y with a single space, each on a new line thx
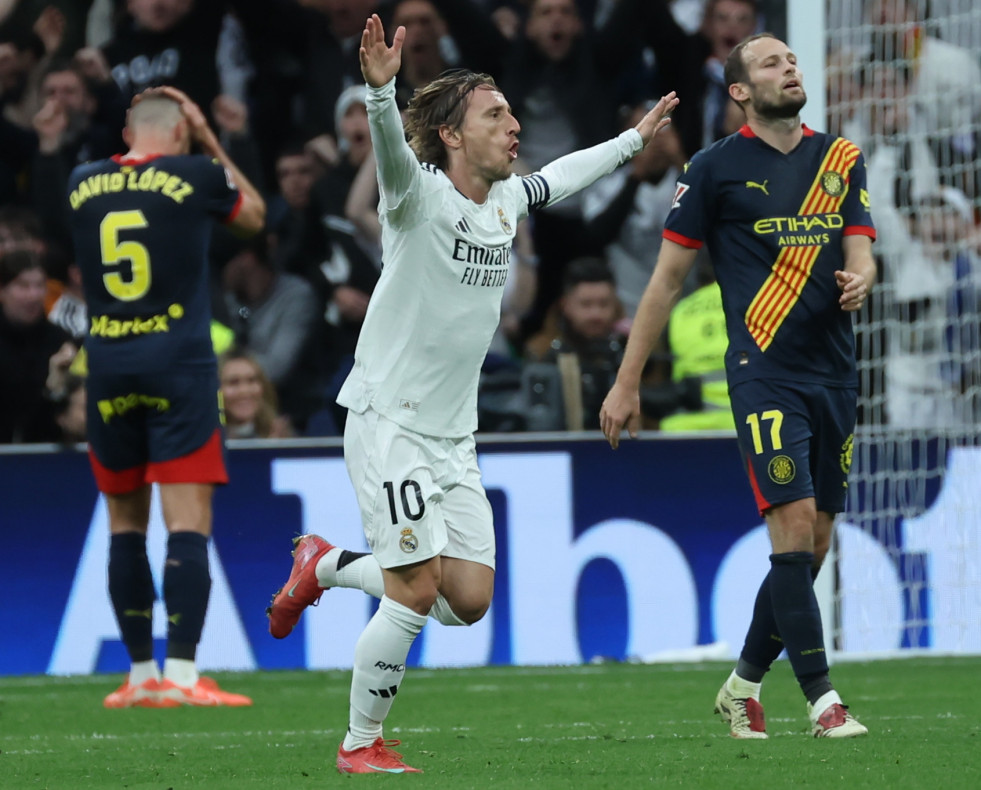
792 268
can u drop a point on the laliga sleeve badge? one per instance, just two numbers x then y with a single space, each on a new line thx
408 542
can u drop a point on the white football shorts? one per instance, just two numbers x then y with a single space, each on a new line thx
420 496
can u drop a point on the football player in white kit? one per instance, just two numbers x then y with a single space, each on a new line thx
449 206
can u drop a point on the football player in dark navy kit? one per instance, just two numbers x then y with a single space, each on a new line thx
141 223
785 214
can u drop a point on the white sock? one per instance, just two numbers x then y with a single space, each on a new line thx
362 574
181 672
442 613
824 702
366 574
743 689
142 671
379 666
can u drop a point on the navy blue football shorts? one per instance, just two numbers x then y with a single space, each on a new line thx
154 428
795 440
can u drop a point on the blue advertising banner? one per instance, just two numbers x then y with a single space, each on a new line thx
647 551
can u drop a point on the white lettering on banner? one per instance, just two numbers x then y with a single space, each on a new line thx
546 563
89 620
949 533
869 589
870 593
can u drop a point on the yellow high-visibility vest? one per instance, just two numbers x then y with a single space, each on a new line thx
698 339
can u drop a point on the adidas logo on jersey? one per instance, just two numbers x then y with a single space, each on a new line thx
463 226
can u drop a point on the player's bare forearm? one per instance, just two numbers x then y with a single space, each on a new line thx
621 408
252 215
859 273
662 291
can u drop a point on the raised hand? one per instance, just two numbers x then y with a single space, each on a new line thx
658 117
379 62
201 131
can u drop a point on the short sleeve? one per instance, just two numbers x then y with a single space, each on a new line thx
219 194
688 217
856 209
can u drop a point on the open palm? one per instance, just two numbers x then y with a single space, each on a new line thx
379 62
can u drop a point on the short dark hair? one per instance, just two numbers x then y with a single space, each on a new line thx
17 261
735 68
591 269
442 101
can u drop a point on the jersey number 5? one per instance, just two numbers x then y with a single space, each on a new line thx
115 252
775 417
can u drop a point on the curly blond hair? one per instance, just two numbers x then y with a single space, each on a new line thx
442 102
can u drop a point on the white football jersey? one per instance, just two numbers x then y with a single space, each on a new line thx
445 261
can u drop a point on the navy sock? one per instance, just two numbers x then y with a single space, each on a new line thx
763 643
186 587
798 619
132 594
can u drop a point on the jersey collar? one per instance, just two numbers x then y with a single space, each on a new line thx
122 159
745 131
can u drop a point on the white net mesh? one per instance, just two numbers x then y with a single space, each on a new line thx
904 83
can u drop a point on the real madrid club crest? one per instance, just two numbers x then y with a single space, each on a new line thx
504 220
781 469
833 183
408 542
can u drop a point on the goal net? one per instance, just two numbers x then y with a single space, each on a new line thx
904 83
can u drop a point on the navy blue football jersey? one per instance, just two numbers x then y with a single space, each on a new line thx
774 225
141 230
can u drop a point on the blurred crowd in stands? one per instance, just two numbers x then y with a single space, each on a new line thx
281 82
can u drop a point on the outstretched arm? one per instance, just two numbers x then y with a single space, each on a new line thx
573 172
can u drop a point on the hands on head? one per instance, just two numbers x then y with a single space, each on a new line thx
197 123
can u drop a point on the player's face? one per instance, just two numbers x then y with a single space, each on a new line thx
490 134
22 299
776 85
590 309
241 391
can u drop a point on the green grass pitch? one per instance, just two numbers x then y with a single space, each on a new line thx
618 726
